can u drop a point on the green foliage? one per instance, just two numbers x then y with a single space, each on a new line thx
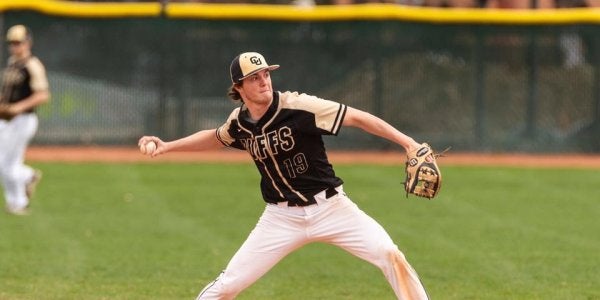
163 231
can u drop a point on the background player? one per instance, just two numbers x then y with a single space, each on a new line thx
306 202
24 87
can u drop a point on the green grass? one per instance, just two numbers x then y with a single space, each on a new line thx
162 231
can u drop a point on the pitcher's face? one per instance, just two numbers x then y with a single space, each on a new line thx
257 88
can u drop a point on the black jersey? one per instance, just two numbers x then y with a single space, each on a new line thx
21 78
287 145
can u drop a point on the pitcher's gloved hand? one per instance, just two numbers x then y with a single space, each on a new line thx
423 176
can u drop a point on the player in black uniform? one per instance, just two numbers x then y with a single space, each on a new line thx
24 87
282 132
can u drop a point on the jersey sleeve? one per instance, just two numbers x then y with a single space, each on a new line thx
224 132
328 115
39 81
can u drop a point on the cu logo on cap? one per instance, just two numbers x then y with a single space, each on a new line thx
255 60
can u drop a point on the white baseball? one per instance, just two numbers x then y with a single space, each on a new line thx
148 148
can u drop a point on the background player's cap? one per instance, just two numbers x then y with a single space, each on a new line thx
18 33
247 64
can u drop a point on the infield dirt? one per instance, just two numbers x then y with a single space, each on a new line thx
132 154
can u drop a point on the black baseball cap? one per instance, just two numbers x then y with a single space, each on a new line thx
247 64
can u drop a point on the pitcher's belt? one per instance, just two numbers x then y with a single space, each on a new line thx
329 192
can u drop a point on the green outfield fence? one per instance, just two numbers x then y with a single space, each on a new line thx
473 79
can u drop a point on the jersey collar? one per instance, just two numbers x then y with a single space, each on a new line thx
244 117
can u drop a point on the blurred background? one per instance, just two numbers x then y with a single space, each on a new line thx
487 76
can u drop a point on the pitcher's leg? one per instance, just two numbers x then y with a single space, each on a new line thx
273 238
356 232
402 277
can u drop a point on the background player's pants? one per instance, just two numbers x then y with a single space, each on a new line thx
337 221
15 136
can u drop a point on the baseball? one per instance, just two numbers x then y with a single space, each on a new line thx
148 148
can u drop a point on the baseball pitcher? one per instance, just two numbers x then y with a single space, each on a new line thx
305 200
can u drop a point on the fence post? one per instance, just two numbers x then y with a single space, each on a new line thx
531 85
161 114
596 86
479 87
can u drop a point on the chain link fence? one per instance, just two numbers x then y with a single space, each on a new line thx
475 87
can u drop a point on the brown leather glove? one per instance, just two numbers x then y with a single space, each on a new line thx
423 176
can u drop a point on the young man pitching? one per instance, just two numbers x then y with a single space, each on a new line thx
305 200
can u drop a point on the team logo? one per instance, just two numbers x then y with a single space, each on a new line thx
413 162
255 60
422 151
271 142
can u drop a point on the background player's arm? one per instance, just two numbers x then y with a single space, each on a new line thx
376 126
199 141
36 99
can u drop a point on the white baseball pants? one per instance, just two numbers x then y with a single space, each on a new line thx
337 221
15 136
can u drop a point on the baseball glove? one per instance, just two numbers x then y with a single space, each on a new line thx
423 176
6 113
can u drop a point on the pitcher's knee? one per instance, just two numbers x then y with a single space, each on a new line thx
386 254
392 260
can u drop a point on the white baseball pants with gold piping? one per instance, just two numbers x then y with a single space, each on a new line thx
337 221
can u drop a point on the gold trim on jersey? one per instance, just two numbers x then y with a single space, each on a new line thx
270 151
329 117
227 140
